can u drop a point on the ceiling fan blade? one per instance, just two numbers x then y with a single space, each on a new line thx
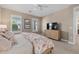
42 5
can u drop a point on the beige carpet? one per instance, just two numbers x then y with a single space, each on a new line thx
65 48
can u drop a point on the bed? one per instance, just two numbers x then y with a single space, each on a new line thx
29 43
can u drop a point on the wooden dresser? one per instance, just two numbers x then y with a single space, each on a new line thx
53 34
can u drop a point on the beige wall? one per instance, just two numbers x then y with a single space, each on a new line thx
0 14
5 15
63 17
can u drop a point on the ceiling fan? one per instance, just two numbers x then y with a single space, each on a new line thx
40 6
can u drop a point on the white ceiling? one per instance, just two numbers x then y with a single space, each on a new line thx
33 10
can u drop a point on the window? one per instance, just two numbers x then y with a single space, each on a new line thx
16 23
34 25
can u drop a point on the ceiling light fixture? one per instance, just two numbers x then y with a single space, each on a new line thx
39 6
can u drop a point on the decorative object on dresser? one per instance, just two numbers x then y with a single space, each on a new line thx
53 31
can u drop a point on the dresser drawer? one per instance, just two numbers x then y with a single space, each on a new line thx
54 34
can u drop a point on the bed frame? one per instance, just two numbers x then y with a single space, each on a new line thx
47 51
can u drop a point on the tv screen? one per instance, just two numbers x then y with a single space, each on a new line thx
54 26
47 25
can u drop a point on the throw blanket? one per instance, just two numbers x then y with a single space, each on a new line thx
40 42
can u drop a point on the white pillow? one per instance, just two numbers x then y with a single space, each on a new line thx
4 44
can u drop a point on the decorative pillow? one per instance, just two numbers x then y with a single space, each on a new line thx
4 44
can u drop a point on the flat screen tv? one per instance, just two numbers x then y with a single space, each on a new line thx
53 26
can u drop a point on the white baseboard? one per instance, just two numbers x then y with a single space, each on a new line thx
69 42
64 40
73 43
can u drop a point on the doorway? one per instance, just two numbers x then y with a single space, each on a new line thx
76 25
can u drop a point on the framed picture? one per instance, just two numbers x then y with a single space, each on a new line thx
27 23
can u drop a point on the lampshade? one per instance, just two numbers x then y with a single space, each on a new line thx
3 27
